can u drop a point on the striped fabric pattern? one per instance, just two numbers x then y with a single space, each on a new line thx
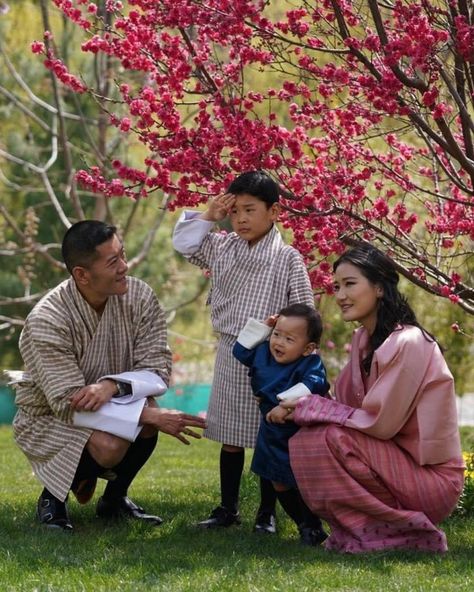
66 345
371 492
246 282
251 282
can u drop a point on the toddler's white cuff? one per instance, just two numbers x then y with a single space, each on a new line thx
294 393
253 333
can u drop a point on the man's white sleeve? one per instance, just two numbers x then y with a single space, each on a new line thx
120 415
144 383
189 232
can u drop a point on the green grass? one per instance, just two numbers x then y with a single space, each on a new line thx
181 484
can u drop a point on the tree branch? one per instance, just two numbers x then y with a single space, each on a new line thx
150 237
62 126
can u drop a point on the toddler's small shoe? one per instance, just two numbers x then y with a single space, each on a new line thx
312 537
265 523
220 517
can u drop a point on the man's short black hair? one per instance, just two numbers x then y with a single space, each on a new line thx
311 315
81 240
256 183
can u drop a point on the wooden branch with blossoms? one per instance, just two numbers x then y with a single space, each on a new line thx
360 110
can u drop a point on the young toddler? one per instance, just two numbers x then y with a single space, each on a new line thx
283 368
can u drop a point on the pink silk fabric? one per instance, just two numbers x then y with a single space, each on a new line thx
382 464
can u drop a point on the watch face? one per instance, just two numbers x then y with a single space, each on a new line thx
123 389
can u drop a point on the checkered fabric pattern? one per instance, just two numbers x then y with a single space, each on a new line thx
233 416
251 282
246 282
382 464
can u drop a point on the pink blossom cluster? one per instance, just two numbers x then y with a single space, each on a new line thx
74 10
56 65
465 38
62 73
355 136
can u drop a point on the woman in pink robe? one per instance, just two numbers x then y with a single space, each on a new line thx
382 463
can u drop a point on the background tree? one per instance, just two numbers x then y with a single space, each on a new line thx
362 110
49 131
367 121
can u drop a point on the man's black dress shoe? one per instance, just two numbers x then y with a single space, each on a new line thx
220 517
123 507
53 514
265 523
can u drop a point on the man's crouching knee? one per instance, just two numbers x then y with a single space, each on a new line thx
106 449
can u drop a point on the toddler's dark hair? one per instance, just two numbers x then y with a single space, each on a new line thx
312 317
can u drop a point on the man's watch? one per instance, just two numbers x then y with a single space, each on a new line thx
123 388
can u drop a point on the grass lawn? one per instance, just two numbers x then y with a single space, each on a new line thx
181 484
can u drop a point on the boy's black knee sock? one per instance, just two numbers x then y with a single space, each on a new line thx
291 502
88 468
137 455
231 467
268 497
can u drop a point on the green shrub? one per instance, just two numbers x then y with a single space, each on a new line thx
465 505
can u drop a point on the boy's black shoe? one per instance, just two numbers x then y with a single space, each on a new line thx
312 537
219 517
123 507
265 523
53 513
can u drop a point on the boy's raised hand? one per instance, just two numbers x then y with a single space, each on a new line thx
218 207
271 321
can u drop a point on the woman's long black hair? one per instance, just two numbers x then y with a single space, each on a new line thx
393 308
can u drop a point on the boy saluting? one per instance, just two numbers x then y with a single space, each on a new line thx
253 273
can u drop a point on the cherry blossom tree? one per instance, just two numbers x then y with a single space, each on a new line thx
361 109
48 133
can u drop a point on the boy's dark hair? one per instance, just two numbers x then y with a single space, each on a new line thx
256 183
81 240
314 323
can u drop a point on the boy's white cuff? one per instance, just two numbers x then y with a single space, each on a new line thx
294 393
253 333
190 232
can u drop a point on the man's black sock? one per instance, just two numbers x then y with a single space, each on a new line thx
137 455
88 468
231 467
